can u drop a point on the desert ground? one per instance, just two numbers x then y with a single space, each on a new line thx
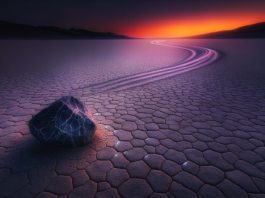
197 134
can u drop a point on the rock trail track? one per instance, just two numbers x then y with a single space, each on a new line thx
199 56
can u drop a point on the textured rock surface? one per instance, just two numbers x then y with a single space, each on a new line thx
66 122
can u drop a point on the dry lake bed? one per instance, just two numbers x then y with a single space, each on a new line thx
196 134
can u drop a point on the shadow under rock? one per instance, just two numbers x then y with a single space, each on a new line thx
29 153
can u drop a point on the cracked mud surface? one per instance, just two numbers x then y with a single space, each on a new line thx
197 134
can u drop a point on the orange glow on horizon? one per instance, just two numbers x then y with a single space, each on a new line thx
188 26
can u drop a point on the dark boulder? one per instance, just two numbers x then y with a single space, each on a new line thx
66 122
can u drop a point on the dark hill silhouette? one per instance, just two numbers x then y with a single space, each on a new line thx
19 31
250 31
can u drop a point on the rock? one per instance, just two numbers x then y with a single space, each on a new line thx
66 122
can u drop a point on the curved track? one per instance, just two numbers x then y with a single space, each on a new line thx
199 56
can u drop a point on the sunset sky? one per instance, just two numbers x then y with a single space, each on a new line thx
135 18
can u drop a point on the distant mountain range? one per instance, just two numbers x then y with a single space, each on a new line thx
19 31
250 31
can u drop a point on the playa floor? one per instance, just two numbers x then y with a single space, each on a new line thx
199 134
